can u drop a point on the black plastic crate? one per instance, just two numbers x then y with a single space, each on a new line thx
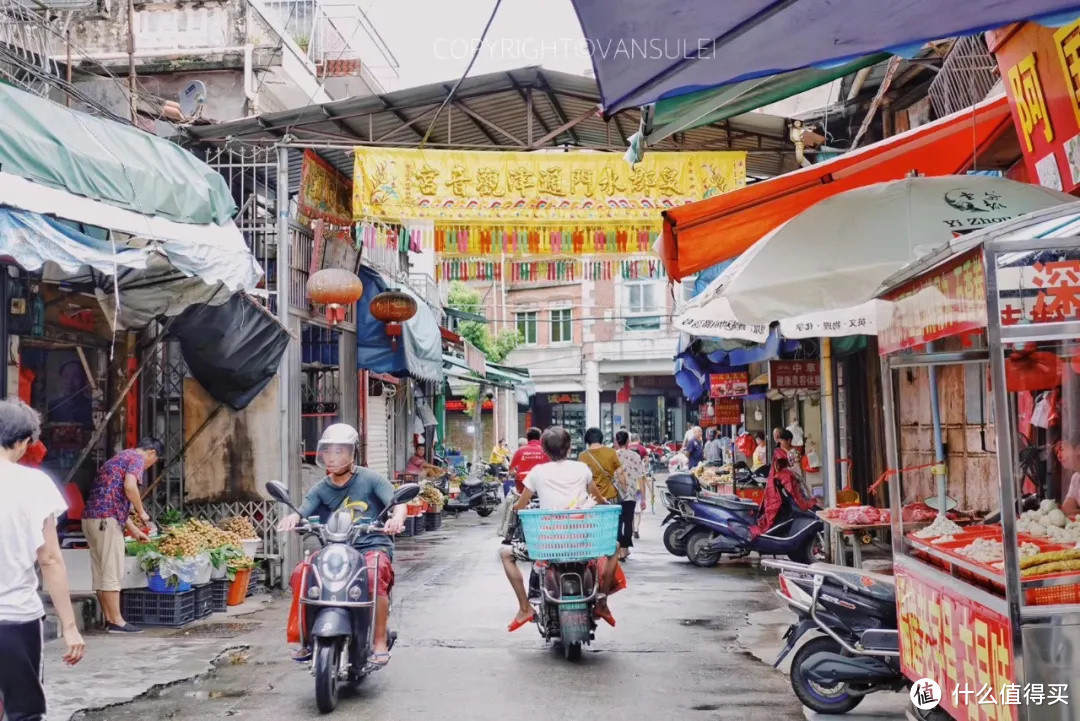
219 595
146 608
410 526
204 600
418 524
433 520
254 581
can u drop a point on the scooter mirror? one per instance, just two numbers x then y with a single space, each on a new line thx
405 493
278 492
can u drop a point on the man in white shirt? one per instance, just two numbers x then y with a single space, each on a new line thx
29 507
559 485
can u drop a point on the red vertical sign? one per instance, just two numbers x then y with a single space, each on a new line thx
1041 70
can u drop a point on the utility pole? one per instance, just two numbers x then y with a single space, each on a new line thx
131 62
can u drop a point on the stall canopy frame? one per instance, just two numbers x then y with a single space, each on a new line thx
998 337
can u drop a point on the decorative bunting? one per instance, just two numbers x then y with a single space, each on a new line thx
567 270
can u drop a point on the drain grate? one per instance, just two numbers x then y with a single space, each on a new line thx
217 630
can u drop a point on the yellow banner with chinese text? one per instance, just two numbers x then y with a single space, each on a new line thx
571 190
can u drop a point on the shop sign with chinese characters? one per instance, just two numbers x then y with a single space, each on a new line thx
729 385
1041 69
963 646
799 375
559 398
579 188
1045 292
720 412
947 301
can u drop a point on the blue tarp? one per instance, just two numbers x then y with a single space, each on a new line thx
692 368
644 51
417 354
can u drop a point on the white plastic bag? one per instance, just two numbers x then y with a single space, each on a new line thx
186 569
205 569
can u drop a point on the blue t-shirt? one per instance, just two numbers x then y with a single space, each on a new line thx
366 494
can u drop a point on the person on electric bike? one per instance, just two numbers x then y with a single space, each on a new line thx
558 484
782 484
366 494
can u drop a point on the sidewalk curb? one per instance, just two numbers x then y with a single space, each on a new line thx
80 713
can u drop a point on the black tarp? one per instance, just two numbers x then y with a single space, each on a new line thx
232 349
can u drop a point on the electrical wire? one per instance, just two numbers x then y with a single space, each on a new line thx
84 55
472 61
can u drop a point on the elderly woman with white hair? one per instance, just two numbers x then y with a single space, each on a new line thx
695 448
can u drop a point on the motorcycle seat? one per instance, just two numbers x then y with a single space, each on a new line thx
471 482
727 501
875 585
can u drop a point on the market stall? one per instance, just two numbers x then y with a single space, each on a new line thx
988 611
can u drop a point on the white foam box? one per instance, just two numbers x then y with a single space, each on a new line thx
80 576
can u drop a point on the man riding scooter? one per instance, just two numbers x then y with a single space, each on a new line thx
366 494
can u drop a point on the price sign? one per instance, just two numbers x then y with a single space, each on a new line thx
729 385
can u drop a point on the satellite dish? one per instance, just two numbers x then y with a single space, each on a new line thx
192 98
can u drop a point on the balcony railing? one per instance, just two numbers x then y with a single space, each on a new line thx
426 287
336 35
968 74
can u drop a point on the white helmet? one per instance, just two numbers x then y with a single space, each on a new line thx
329 453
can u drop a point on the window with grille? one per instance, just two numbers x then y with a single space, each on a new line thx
526 325
562 330
644 305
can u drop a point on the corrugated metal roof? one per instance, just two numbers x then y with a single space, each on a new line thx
492 112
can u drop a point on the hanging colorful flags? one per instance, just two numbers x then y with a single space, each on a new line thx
562 270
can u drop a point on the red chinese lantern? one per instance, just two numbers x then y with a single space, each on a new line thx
335 288
393 306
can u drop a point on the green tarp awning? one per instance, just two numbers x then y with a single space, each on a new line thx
693 110
117 164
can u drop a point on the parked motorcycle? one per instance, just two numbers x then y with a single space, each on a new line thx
718 525
476 493
859 651
338 598
680 515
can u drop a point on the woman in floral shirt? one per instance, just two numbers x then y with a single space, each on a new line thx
630 483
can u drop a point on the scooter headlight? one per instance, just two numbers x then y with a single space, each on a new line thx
334 564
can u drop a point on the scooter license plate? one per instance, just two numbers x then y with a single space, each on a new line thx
574 616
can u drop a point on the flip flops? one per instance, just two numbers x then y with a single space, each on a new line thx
518 623
378 659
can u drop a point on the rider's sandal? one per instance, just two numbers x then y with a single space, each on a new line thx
378 659
301 655
518 623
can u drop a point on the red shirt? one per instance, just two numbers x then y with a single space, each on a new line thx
640 450
525 459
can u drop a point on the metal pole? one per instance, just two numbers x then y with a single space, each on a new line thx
828 439
892 454
67 90
131 61
1006 452
5 308
939 444
291 548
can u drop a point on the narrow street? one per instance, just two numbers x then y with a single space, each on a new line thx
673 655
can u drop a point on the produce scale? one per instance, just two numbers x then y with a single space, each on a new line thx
990 611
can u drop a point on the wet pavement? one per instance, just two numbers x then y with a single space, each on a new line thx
675 653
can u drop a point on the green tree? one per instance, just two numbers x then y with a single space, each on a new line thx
468 300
